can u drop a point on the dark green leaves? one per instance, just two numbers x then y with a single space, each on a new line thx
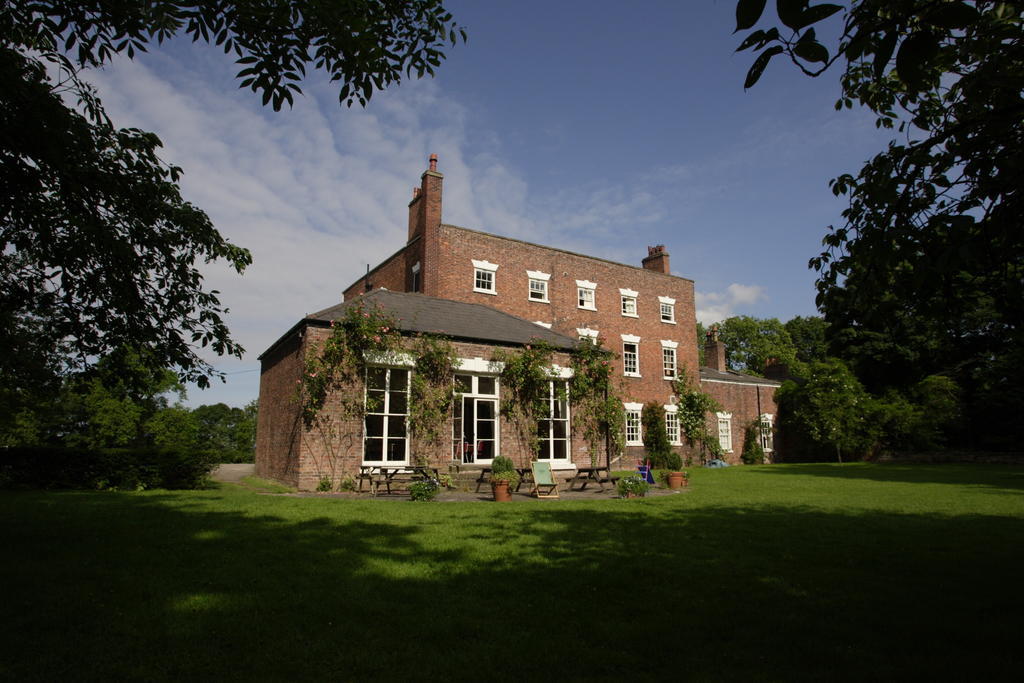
754 74
748 12
952 15
912 61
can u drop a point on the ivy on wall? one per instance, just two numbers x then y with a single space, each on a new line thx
596 398
693 409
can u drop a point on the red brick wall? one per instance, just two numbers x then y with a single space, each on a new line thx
392 274
333 446
279 424
746 402
454 274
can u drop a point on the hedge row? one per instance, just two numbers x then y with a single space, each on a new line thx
111 468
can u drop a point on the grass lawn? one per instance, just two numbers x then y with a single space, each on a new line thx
798 572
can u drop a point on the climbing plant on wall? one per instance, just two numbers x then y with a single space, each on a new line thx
525 381
596 400
694 407
432 393
331 368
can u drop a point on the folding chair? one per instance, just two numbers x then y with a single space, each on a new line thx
543 479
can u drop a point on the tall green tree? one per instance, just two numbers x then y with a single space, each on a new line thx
926 274
750 342
97 246
809 336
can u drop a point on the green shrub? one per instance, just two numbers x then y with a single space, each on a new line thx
753 452
424 490
502 464
109 468
655 435
635 484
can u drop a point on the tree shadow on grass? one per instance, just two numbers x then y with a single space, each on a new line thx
1008 477
177 586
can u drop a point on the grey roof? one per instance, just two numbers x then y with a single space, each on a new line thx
736 377
456 319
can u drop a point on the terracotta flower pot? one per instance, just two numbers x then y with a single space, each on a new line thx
675 480
501 491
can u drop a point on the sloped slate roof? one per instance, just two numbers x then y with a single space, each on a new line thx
455 319
736 377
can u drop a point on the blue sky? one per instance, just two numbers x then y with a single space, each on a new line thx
600 127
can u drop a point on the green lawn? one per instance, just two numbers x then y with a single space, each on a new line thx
799 572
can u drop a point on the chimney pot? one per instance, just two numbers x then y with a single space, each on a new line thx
433 162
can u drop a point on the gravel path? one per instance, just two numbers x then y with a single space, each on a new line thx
233 472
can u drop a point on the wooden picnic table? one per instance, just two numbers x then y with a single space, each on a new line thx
393 474
586 475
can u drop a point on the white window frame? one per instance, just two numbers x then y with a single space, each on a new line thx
542 324
586 295
669 370
548 443
489 271
634 341
475 394
766 435
535 277
630 306
587 333
633 424
667 303
386 414
725 431
672 425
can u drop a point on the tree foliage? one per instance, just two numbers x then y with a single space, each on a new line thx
750 342
98 249
926 275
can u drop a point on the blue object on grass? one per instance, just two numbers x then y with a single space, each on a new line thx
645 473
717 463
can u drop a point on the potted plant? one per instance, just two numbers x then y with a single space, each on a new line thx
675 477
504 478
632 487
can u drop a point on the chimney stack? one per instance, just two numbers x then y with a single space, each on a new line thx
714 351
657 259
773 369
425 207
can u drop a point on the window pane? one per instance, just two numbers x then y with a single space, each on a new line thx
396 426
374 425
376 377
560 450
374 450
485 410
399 380
560 429
485 429
485 450
464 384
543 429
486 385
399 402
396 450
374 401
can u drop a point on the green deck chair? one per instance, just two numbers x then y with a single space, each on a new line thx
542 479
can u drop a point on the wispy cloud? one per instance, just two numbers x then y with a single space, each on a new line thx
714 307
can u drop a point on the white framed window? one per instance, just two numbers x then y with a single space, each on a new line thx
629 302
725 431
553 429
387 410
484 277
633 437
669 369
586 294
538 287
672 425
630 355
587 333
475 424
766 423
668 309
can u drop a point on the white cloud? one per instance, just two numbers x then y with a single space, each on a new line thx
715 307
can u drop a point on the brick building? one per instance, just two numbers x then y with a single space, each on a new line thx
644 314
